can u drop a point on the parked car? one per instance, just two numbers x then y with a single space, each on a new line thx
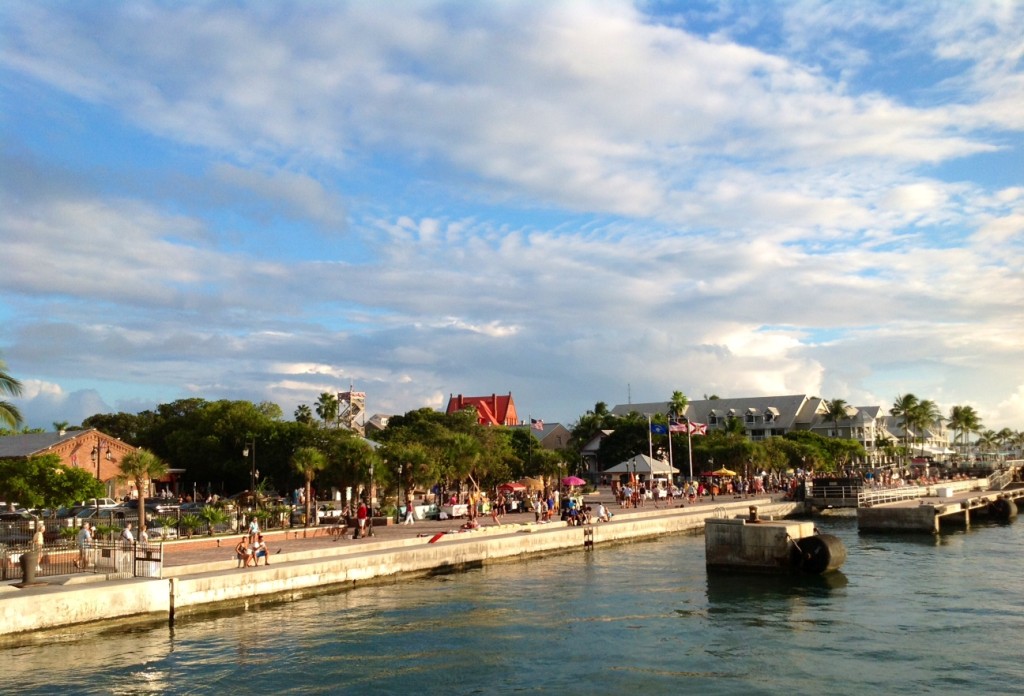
99 502
154 507
17 527
162 533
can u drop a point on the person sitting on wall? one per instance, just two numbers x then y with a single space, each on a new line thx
261 551
242 553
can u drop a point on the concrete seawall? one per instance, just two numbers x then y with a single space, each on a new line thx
190 589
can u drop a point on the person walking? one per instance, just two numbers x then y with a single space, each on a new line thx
361 516
84 541
37 544
410 516
254 530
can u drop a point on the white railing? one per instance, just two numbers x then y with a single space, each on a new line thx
890 495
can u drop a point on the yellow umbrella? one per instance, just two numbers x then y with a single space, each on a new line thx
724 472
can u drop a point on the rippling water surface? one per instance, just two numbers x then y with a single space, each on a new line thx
907 614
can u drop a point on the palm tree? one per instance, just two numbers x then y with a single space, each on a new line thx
327 408
9 413
987 441
142 466
835 410
303 414
308 461
964 420
923 416
903 407
678 403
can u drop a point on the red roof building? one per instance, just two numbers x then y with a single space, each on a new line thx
490 410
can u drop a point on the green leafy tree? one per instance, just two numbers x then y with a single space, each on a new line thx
308 461
628 439
43 481
589 425
9 413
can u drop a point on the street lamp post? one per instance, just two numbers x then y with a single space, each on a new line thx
398 506
369 521
97 458
253 473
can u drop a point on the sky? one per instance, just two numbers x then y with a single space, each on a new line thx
575 202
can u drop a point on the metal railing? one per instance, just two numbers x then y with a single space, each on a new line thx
890 495
117 560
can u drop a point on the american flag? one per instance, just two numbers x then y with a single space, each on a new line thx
536 424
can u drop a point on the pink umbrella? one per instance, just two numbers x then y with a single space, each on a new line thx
573 481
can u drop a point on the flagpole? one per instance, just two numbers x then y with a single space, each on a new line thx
689 446
670 454
650 446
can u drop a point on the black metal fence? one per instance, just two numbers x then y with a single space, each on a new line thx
116 560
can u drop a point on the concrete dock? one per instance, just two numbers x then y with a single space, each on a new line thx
201 576
928 512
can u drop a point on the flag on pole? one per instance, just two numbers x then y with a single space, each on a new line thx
698 428
659 429
676 427
536 424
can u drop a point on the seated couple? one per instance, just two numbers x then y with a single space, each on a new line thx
250 555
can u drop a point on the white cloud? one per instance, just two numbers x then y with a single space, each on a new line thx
531 194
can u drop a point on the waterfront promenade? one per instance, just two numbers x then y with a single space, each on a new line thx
200 576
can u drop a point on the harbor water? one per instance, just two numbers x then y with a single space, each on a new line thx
906 614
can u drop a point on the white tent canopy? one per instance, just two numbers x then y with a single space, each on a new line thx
642 464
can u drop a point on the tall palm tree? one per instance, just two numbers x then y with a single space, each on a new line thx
835 410
327 408
964 420
142 466
678 403
303 414
308 461
9 413
923 416
1003 438
903 408
987 441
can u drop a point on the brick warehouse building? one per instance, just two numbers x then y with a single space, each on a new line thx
91 450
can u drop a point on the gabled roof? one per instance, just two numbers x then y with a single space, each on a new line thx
551 435
35 443
490 410
788 411
642 464
594 443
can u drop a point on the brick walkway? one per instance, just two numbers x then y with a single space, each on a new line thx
203 550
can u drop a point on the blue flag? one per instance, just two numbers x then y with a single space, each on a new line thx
659 429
